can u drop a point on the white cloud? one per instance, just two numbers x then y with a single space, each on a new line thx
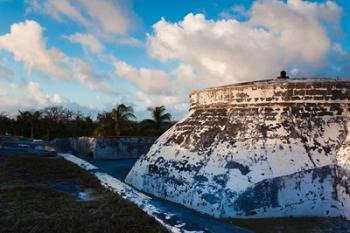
150 81
131 41
10 103
34 97
109 15
186 80
58 8
298 26
157 82
173 103
86 75
39 99
57 99
155 87
236 11
100 16
86 40
37 94
339 49
275 36
26 43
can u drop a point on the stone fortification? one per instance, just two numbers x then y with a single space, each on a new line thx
259 149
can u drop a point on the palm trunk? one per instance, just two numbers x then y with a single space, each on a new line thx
32 131
117 131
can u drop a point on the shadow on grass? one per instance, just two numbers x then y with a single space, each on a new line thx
294 225
31 202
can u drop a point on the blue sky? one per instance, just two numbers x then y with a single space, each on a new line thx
91 55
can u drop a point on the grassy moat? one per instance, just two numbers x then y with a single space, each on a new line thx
53 195
294 225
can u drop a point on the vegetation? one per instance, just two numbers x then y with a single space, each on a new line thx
53 122
122 116
38 195
161 121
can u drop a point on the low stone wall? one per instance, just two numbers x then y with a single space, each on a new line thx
21 146
77 146
105 148
122 147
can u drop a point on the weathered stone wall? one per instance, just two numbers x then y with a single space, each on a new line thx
321 91
21 146
105 148
78 146
272 148
122 147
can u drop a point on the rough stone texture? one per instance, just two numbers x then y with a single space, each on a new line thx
123 147
260 149
21 146
80 145
105 148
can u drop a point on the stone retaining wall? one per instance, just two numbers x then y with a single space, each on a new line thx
105 148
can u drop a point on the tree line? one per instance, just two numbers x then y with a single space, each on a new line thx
57 121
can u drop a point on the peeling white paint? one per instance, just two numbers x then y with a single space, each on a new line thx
290 136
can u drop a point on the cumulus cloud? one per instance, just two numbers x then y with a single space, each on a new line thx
87 41
236 11
86 75
102 16
150 81
37 98
37 94
25 41
156 87
292 35
11 104
34 97
156 81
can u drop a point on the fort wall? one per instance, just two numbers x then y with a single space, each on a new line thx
326 92
105 148
271 148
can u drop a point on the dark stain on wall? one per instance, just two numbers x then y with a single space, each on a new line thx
234 165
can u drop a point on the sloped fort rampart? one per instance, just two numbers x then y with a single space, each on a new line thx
259 149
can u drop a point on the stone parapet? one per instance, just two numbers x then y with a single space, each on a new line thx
283 92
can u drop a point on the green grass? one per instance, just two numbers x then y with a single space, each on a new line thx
29 203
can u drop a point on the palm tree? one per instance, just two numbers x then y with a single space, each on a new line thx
7 124
29 119
122 115
160 121
105 126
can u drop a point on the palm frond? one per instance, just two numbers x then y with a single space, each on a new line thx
165 117
128 116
